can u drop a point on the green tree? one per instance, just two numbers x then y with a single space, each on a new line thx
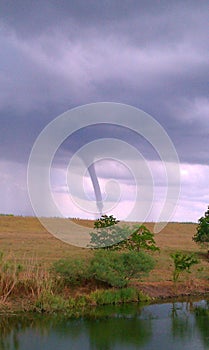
141 238
202 234
105 221
108 235
182 262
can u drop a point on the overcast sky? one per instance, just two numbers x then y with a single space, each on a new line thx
56 55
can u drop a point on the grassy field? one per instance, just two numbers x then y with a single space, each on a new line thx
26 240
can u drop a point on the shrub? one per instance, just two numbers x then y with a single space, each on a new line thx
71 272
113 268
116 269
182 262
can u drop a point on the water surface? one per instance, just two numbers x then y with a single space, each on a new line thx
179 325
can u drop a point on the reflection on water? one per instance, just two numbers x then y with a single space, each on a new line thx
161 326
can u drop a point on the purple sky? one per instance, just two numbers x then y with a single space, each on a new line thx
56 55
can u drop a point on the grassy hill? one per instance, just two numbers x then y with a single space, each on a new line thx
27 241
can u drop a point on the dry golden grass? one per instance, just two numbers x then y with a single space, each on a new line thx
26 238
177 237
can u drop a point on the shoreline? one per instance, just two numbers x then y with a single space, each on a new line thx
151 292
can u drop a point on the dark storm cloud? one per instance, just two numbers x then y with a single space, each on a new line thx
33 17
56 55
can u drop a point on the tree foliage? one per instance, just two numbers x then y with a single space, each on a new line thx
109 235
141 238
202 234
182 262
105 221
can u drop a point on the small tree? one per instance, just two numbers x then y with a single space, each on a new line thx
109 235
141 238
182 262
105 221
202 234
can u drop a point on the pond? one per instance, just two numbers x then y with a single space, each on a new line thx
179 325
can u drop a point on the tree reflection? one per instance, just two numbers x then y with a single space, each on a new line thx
181 323
105 328
12 326
202 321
104 335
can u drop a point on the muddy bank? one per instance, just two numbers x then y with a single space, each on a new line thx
169 290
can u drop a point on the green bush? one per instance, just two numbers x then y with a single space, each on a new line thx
182 262
71 272
116 269
110 267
